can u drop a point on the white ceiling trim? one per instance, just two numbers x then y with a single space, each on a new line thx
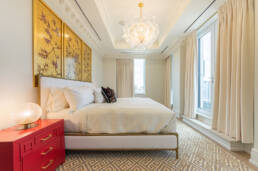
68 12
105 18
170 27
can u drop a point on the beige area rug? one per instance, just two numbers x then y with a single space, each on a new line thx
196 152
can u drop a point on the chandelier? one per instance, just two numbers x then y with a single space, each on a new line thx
141 33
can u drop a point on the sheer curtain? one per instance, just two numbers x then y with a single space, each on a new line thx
167 96
190 66
124 77
234 85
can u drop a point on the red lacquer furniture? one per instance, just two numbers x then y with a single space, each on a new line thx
39 148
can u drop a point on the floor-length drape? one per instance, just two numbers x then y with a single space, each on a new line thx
167 90
124 77
234 85
190 66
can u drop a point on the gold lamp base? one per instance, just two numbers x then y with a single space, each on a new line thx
27 126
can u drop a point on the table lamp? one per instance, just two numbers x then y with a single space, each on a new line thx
27 114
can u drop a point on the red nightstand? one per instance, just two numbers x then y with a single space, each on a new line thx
39 148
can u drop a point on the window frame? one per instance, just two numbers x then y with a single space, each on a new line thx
144 77
210 26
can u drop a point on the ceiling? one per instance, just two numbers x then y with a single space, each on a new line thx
116 13
102 21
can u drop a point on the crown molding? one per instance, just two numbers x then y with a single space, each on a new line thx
68 12
175 46
105 17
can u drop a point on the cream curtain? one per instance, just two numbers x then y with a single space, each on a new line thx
167 96
124 77
234 85
190 65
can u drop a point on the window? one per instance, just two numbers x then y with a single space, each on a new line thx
139 76
206 65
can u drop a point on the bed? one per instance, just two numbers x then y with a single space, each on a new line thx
128 124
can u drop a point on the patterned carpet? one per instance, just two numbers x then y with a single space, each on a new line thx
196 152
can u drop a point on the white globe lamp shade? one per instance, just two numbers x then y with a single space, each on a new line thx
27 114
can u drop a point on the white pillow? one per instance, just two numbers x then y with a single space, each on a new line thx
78 97
56 100
98 97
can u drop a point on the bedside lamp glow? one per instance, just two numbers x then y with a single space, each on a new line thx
27 114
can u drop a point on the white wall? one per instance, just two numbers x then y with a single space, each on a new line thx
15 57
16 86
155 70
97 65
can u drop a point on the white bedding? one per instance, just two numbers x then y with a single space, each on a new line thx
127 115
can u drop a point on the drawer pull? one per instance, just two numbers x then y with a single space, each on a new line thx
46 138
48 165
46 152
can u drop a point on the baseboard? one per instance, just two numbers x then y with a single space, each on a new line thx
226 142
254 157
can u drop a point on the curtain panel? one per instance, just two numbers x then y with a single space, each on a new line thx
124 80
234 78
190 68
168 77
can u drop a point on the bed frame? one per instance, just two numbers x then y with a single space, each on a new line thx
110 142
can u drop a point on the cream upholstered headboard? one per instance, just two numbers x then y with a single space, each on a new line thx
45 83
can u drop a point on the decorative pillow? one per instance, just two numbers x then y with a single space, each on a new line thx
109 95
98 97
78 97
56 100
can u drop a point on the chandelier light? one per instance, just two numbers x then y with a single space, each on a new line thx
141 33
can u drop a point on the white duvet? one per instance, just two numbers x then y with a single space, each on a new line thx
127 115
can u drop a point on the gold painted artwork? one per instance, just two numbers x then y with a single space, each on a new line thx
57 50
86 63
72 55
47 41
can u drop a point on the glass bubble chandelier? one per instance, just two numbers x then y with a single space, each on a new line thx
141 33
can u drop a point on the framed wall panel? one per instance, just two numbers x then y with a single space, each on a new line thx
72 55
47 42
57 50
86 62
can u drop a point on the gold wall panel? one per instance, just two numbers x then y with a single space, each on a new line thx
86 63
72 55
47 41
57 50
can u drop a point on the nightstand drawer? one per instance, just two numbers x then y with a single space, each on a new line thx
46 136
49 164
44 158
49 149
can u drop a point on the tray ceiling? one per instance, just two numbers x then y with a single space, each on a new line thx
107 18
115 13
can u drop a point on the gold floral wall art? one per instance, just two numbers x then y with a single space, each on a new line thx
86 63
47 41
57 50
72 55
